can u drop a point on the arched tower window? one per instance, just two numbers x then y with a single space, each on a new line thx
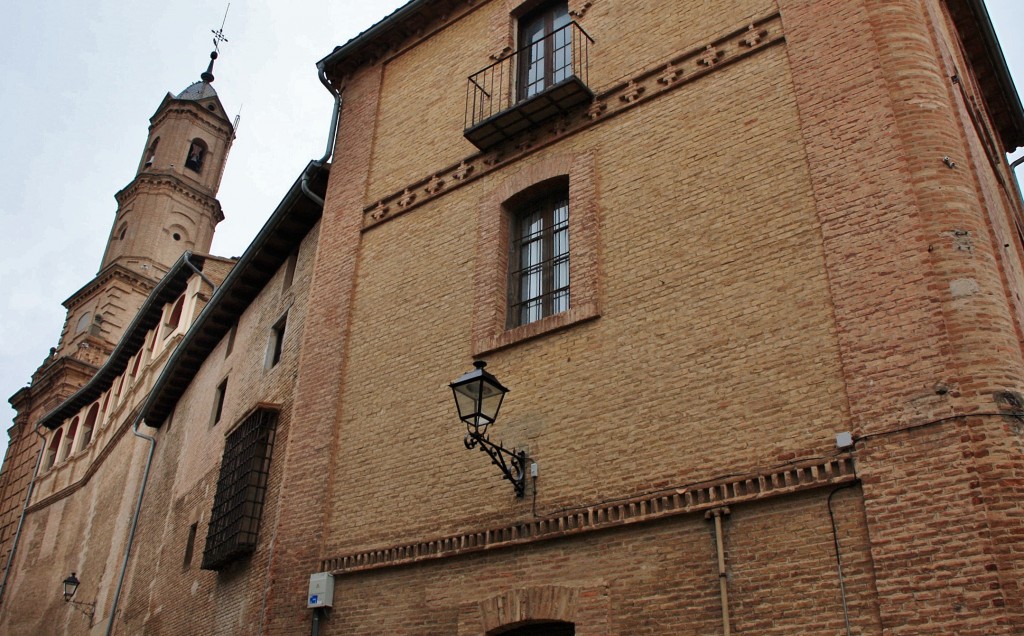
151 153
175 318
83 322
122 232
540 628
90 424
138 363
196 155
51 450
65 446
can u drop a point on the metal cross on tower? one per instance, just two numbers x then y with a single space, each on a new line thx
218 35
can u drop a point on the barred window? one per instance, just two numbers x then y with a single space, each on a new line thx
238 504
539 259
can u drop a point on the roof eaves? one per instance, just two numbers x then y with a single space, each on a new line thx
370 35
170 286
197 344
1012 132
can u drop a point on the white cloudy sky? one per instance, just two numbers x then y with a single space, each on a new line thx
80 80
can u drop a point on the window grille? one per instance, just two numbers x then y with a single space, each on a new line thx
238 504
539 271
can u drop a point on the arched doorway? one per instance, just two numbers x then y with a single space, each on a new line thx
541 628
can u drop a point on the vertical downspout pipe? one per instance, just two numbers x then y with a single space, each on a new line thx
135 520
330 136
145 480
723 583
839 556
24 512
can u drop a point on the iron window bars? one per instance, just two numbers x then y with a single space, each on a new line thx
238 504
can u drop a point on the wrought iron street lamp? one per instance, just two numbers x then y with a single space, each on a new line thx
478 397
70 587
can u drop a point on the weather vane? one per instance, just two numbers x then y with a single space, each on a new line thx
218 35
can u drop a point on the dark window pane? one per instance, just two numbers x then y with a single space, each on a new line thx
241 488
539 271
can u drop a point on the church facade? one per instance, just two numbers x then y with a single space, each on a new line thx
748 286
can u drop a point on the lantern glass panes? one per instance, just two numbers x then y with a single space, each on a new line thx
70 586
478 396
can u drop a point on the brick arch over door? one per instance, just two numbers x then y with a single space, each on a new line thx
586 608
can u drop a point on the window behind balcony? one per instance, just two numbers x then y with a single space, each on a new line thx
545 42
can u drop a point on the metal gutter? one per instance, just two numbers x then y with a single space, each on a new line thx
371 34
1002 71
118 359
24 512
227 286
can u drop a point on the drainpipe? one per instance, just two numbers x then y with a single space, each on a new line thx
135 519
330 136
723 582
145 480
839 556
24 512
198 272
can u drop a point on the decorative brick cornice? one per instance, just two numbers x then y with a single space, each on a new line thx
157 180
730 491
199 115
645 85
137 281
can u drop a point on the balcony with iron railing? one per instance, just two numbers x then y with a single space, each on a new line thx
540 81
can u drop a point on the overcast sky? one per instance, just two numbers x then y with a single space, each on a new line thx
81 80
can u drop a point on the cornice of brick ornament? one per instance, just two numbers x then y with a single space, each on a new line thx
170 181
138 282
798 477
647 84
199 115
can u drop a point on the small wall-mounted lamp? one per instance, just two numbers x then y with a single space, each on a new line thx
478 397
70 587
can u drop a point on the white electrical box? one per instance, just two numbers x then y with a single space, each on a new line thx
321 590
844 440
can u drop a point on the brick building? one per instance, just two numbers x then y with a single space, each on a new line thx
752 275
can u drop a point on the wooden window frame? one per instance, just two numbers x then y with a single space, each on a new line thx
491 329
553 197
547 13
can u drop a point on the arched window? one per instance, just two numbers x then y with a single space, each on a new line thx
51 450
122 232
196 155
65 446
538 279
541 628
151 152
83 322
138 363
175 318
90 424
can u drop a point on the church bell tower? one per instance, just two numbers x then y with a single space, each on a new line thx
170 206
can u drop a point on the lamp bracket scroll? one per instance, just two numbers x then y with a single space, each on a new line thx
513 468
478 397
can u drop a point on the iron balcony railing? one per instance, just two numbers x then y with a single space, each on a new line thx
541 80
